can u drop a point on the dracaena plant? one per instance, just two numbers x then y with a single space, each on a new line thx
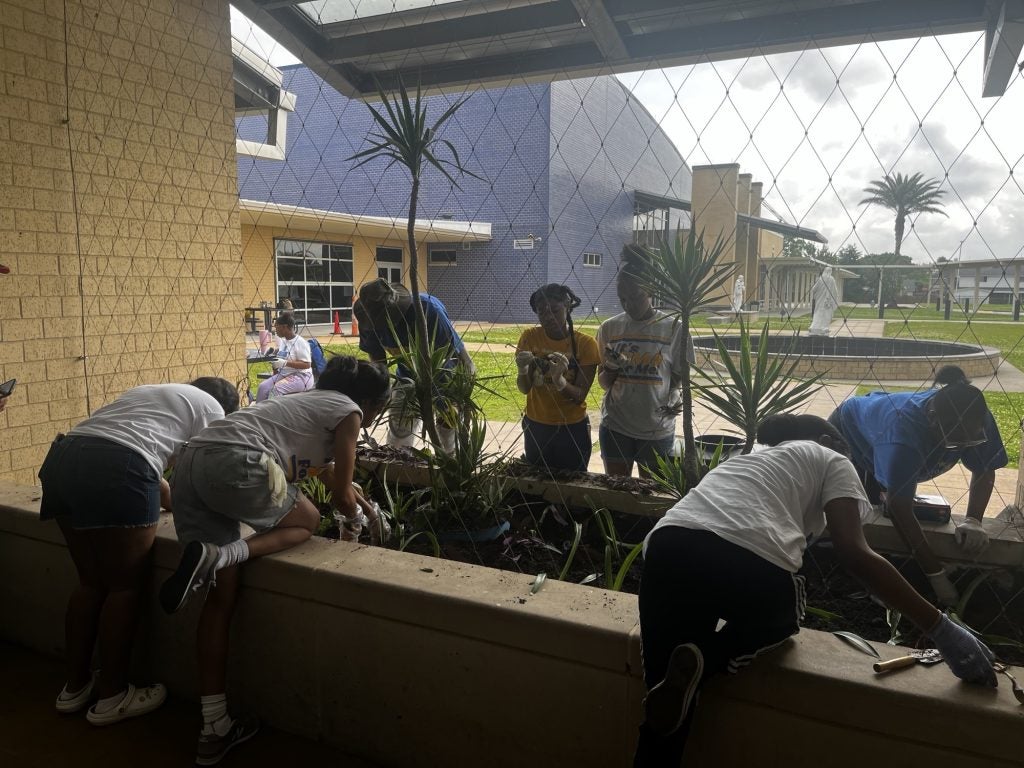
684 275
404 138
754 385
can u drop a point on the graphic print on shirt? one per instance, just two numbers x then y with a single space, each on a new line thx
644 357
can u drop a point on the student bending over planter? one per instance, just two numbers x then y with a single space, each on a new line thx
730 550
243 469
103 484
556 367
898 439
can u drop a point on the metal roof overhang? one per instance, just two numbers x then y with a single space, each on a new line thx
647 201
453 44
260 214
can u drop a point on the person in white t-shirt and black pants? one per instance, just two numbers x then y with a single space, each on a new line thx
642 350
293 366
730 550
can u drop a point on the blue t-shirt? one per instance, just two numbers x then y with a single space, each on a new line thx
378 342
890 436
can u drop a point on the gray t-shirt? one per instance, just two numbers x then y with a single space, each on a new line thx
769 502
654 350
153 420
297 430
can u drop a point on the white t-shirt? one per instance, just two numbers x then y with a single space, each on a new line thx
771 501
153 420
295 348
655 349
297 430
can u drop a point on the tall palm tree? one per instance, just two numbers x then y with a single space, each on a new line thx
905 195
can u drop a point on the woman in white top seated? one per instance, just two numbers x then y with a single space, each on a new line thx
293 366
730 550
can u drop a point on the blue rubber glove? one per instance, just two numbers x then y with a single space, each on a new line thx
967 657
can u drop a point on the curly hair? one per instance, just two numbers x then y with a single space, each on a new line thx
564 295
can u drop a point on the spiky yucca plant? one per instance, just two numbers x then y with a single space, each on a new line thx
404 138
756 386
685 276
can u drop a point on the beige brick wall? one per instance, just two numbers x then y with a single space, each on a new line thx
714 198
258 274
118 208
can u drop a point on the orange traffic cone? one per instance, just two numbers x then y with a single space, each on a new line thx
354 330
337 323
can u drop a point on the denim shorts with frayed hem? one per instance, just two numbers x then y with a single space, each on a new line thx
616 446
98 483
216 487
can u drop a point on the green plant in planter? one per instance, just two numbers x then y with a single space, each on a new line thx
684 275
755 386
404 138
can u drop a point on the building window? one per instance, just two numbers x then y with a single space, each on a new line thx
591 259
441 257
316 277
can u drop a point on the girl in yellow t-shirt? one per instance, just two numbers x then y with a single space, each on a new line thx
556 366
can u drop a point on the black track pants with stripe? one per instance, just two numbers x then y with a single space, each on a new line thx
691 579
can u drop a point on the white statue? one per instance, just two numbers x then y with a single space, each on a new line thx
737 294
825 297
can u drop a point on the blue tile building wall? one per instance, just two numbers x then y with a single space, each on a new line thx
604 145
530 146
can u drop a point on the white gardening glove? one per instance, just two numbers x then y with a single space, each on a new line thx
971 537
945 592
278 363
559 365
613 360
968 658
523 361
351 526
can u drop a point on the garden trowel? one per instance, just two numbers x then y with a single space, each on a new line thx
926 656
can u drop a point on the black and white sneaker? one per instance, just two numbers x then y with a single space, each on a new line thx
668 703
195 571
212 747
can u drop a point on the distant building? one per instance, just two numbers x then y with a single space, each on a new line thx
558 164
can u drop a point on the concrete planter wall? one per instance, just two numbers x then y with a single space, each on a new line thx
434 663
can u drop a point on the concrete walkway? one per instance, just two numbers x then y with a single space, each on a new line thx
33 735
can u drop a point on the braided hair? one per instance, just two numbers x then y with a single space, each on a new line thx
563 294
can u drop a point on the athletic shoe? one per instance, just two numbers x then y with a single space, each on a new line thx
194 572
69 702
668 703
136 701
212 747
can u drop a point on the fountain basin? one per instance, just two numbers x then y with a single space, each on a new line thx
846 358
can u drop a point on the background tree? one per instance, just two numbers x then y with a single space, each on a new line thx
405 138
904 196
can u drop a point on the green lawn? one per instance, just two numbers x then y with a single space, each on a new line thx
1007 337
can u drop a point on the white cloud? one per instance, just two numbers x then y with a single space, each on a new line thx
909 106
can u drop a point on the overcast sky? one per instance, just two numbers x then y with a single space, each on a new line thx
816 143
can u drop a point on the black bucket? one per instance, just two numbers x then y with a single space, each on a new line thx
708 444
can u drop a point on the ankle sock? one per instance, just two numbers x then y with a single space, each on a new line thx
232 554
105 705
215 714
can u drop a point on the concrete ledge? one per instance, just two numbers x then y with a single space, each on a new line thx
407 660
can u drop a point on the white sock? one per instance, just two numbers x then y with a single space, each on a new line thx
105 705
215 714
232 554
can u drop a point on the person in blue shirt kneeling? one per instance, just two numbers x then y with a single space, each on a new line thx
898 439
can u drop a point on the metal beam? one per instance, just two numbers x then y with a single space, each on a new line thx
449 32
809 28
1004 40
602 28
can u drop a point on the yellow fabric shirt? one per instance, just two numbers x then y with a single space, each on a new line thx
546 404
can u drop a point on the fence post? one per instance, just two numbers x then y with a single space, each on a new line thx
948 308
1016 309
881 304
